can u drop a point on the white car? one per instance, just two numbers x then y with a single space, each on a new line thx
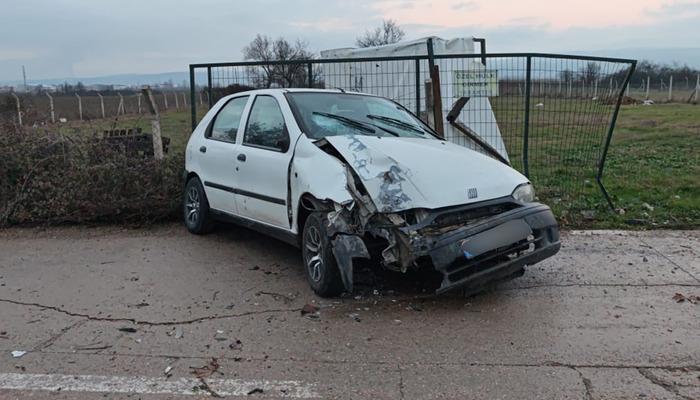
350 175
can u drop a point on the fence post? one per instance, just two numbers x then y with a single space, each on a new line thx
670 88
177 103
627 90
570 88
155 123
184 100
19 108
435 86
138 102
595 87
51 108
209 98
165 99
310 72
608 138
697 88
526 130
102 105
80 106
648 81
418 88
120 108
193 103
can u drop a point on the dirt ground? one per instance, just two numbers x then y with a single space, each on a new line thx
160 314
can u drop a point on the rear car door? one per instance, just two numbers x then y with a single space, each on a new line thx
262 163
218 155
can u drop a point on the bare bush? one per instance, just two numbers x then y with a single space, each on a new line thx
49 178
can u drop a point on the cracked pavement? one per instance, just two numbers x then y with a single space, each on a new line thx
597 321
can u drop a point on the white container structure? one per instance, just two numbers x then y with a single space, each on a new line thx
462 77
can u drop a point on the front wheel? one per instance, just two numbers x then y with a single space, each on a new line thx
196 208
319 263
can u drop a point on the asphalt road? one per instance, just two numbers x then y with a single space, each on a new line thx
106 312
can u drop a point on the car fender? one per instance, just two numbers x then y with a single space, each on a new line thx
317 173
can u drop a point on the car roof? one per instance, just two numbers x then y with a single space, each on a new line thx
298 90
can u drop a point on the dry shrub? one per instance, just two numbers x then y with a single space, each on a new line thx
48 178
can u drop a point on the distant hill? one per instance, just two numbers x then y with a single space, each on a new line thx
122 79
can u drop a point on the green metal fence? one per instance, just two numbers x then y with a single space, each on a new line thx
550 116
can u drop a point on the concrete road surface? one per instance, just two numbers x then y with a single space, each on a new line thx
157 314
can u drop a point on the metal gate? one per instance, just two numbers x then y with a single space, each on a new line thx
550 116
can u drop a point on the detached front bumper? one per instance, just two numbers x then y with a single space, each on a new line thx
492 250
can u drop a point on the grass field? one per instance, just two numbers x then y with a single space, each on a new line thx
652 171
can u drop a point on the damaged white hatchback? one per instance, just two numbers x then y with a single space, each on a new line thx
348 175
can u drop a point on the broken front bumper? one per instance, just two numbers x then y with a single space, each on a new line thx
491 250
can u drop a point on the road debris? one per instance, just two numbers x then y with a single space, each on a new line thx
92 346
355 316
168 370
680 298
277 296
255 391
236 345
310 311
207 370
18 353
219 335
127 329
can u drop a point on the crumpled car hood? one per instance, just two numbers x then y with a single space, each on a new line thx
405 173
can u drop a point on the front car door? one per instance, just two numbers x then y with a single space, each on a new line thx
218 155
263 161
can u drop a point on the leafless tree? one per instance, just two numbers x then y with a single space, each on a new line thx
264 48
591 72
388 33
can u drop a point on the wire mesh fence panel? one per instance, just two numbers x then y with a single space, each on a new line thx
548 116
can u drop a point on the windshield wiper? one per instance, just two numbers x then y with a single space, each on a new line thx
396 122
347 121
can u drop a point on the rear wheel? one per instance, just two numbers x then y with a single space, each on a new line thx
196 208
319 263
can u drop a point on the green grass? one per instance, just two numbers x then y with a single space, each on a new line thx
652 171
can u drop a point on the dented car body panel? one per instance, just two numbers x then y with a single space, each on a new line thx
383 182
406 173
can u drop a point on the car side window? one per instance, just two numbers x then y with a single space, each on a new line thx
226 122
266 126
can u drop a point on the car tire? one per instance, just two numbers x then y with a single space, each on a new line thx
195 207
319 262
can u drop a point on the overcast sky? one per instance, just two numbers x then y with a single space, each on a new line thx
82 38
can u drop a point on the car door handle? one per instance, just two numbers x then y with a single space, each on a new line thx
203 149
241 157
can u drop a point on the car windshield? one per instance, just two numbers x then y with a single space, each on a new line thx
329 114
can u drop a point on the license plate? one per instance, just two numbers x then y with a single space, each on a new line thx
500 236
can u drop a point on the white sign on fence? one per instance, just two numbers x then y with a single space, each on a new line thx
483 83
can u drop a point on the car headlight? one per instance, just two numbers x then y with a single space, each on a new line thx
524 193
